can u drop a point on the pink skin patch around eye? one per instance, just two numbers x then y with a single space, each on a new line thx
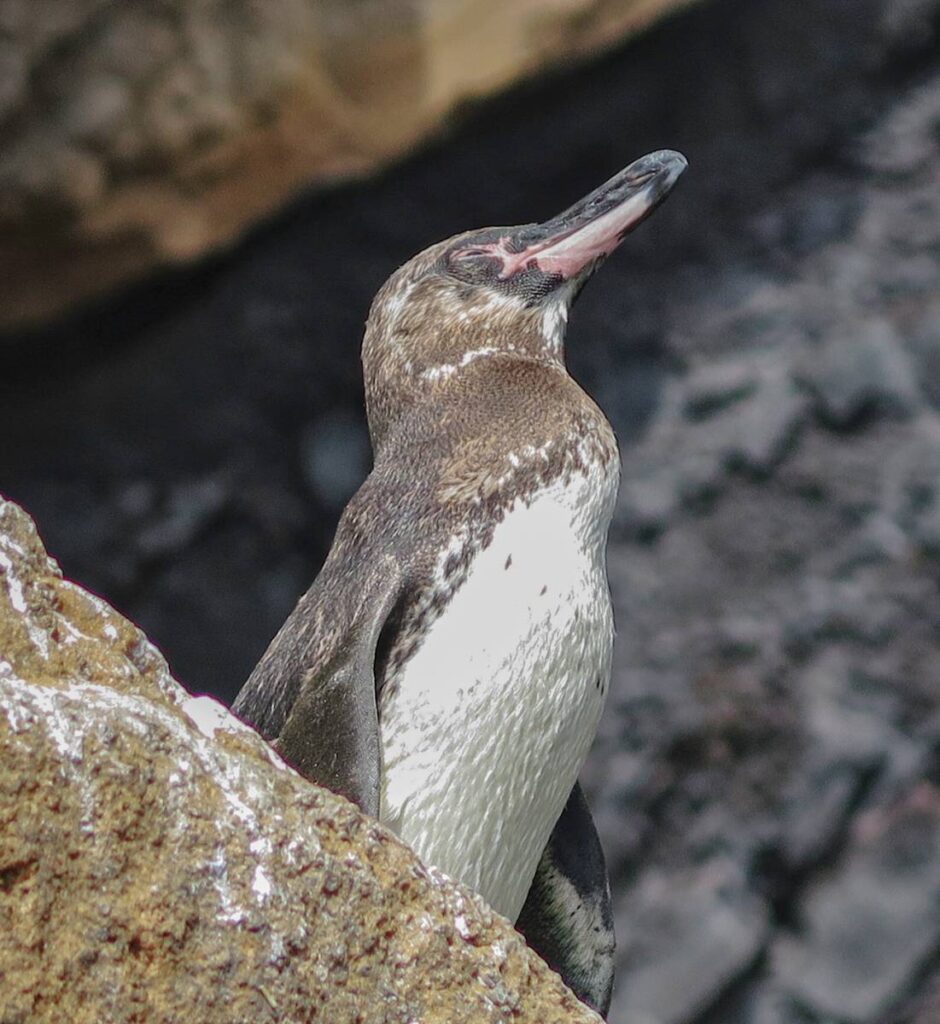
568 254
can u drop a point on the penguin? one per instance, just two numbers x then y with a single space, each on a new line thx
447 669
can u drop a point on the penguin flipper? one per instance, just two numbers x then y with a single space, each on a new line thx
567 915
313 694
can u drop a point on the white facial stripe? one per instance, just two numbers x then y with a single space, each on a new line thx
485 310
554 322
446 369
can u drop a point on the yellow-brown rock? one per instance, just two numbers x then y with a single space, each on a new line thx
158 863
137 135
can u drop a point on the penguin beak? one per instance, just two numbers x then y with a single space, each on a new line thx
576 241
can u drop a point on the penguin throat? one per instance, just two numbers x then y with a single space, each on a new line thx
555 318
497 326
444 370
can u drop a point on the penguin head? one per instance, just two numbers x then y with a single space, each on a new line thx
498 291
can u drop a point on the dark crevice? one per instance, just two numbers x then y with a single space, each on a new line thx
13 875
728 1005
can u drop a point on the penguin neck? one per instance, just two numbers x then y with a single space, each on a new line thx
412 355
506 329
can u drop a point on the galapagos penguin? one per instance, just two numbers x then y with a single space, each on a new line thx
447 668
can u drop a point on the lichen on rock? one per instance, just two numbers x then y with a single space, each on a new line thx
159 862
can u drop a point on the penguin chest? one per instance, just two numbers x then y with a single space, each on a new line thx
485 727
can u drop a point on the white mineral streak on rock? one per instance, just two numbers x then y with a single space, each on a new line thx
28 707
14 587
207 713
80 710
261 883
73 710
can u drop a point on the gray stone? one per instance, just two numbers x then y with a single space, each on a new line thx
911 22
862 366
647 502
906 140
683 937
844 718
771 1006
820 805
924 342
767 424
868 930
925 531
733 416
713 387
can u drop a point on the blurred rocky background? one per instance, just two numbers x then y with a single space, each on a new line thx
767 777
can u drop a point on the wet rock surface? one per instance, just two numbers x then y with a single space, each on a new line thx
768 348
159 863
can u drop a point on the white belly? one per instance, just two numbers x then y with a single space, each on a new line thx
485 728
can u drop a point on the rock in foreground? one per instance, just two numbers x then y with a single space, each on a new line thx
158 863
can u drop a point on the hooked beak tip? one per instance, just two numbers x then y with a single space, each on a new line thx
669 163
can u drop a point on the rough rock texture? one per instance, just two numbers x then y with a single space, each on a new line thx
137 134
768 349
159 863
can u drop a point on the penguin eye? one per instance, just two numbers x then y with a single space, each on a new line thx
474 264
